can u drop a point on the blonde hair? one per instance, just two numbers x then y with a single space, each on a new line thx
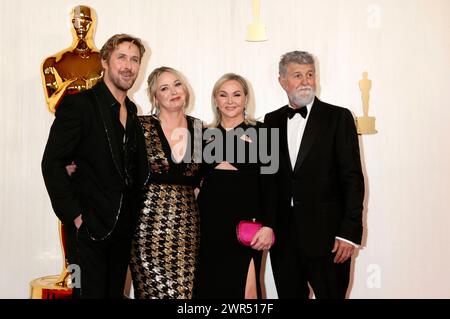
248 97
151 90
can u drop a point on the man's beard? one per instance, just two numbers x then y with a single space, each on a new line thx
120 84
302 100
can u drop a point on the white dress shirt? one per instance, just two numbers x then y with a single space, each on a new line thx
295 129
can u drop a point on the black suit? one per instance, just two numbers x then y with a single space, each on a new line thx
84 131
327 188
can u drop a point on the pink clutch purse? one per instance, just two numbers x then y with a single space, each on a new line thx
246 230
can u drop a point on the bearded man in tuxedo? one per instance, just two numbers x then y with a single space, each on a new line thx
321 187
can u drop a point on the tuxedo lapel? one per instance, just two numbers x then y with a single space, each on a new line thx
113 142
312 130
283 137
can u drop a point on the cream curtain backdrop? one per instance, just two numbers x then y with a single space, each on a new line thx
404 45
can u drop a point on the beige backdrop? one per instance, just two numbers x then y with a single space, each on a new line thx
403 44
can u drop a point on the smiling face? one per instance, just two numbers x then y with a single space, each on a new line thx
230 100
170 93
299 82
122 68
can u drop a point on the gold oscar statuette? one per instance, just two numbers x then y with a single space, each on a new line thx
70 71
366 123
76 68
256 30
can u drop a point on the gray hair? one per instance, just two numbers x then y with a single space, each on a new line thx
299 57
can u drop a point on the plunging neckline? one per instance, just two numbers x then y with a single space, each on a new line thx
166 145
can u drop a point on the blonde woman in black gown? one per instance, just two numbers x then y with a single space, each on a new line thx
165 244
232 191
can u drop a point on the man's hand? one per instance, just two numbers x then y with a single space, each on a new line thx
71 168
78 221
343 251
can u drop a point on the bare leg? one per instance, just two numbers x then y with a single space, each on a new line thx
250 286
127 289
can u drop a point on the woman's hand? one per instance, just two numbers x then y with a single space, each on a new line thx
262 239
71 168
78 221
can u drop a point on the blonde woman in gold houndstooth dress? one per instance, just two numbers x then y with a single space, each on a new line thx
166 240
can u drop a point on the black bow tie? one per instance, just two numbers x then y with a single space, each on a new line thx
303 111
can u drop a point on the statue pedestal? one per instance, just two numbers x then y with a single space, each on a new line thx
48 288
256 32
366 125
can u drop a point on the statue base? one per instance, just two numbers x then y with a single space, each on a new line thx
48 288
366 125
256 32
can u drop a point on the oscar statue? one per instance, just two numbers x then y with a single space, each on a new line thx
366 123
76 68
256 31
68 72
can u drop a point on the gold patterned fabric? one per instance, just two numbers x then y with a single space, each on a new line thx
165 244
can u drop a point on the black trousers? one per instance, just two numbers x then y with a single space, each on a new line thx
293 270
103 264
